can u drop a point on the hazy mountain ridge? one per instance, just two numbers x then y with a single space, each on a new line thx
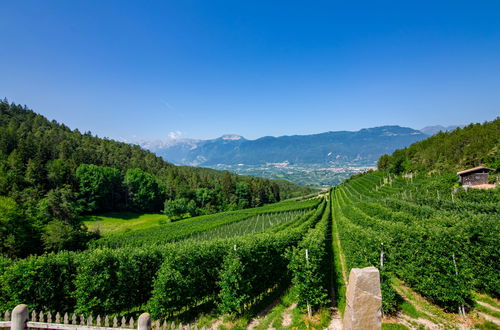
432 130
337 147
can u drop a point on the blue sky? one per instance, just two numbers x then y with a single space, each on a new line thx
134 70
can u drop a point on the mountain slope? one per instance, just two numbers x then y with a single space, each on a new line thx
470 146
363 147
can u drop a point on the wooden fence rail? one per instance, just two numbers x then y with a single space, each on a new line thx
21 319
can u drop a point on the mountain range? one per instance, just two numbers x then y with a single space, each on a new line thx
432 130
361 147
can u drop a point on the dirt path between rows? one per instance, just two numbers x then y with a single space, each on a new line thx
287 315
336 322
256 320
421 321
488 317
488 306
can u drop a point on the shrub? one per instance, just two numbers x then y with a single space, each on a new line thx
44 282
111 281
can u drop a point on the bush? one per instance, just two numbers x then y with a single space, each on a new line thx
257 265
187 277
112 281
44 283
311 277
391 300
179 208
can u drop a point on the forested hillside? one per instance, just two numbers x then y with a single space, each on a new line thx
470 146
50 174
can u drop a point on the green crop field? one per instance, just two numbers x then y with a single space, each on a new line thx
440 253
135 269
443 244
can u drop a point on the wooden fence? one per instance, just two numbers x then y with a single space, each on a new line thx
21 319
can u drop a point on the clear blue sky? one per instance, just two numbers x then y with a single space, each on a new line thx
142 69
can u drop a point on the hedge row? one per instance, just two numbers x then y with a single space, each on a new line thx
233 274
180 230
361 248
100 281
425 245
162 279
310 276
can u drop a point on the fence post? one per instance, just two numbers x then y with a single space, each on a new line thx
19 317
309 310
144 322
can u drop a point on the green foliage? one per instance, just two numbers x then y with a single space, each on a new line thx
179 208
4 264
252 225
116 222
187 278
112 281
391 300
44 282
144 191
15 229
100 187
310 270
54 173
215 271
193 227
164 278
257 265
470 146
61 204
393 326
441 245
59 236
64 231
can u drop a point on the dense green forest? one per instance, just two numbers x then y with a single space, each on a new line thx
50 175
470 146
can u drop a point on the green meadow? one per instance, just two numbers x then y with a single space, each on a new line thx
116 222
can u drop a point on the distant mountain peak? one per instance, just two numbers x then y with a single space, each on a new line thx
232 137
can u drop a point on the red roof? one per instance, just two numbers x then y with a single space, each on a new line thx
475 169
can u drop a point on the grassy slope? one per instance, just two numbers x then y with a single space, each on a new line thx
116 222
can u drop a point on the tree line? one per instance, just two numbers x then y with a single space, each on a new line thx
50 175
473 145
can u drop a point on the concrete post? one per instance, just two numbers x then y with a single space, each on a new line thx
364 300
144 322
19 317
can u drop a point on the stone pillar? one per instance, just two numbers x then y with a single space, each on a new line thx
19 317
364 300
144 322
